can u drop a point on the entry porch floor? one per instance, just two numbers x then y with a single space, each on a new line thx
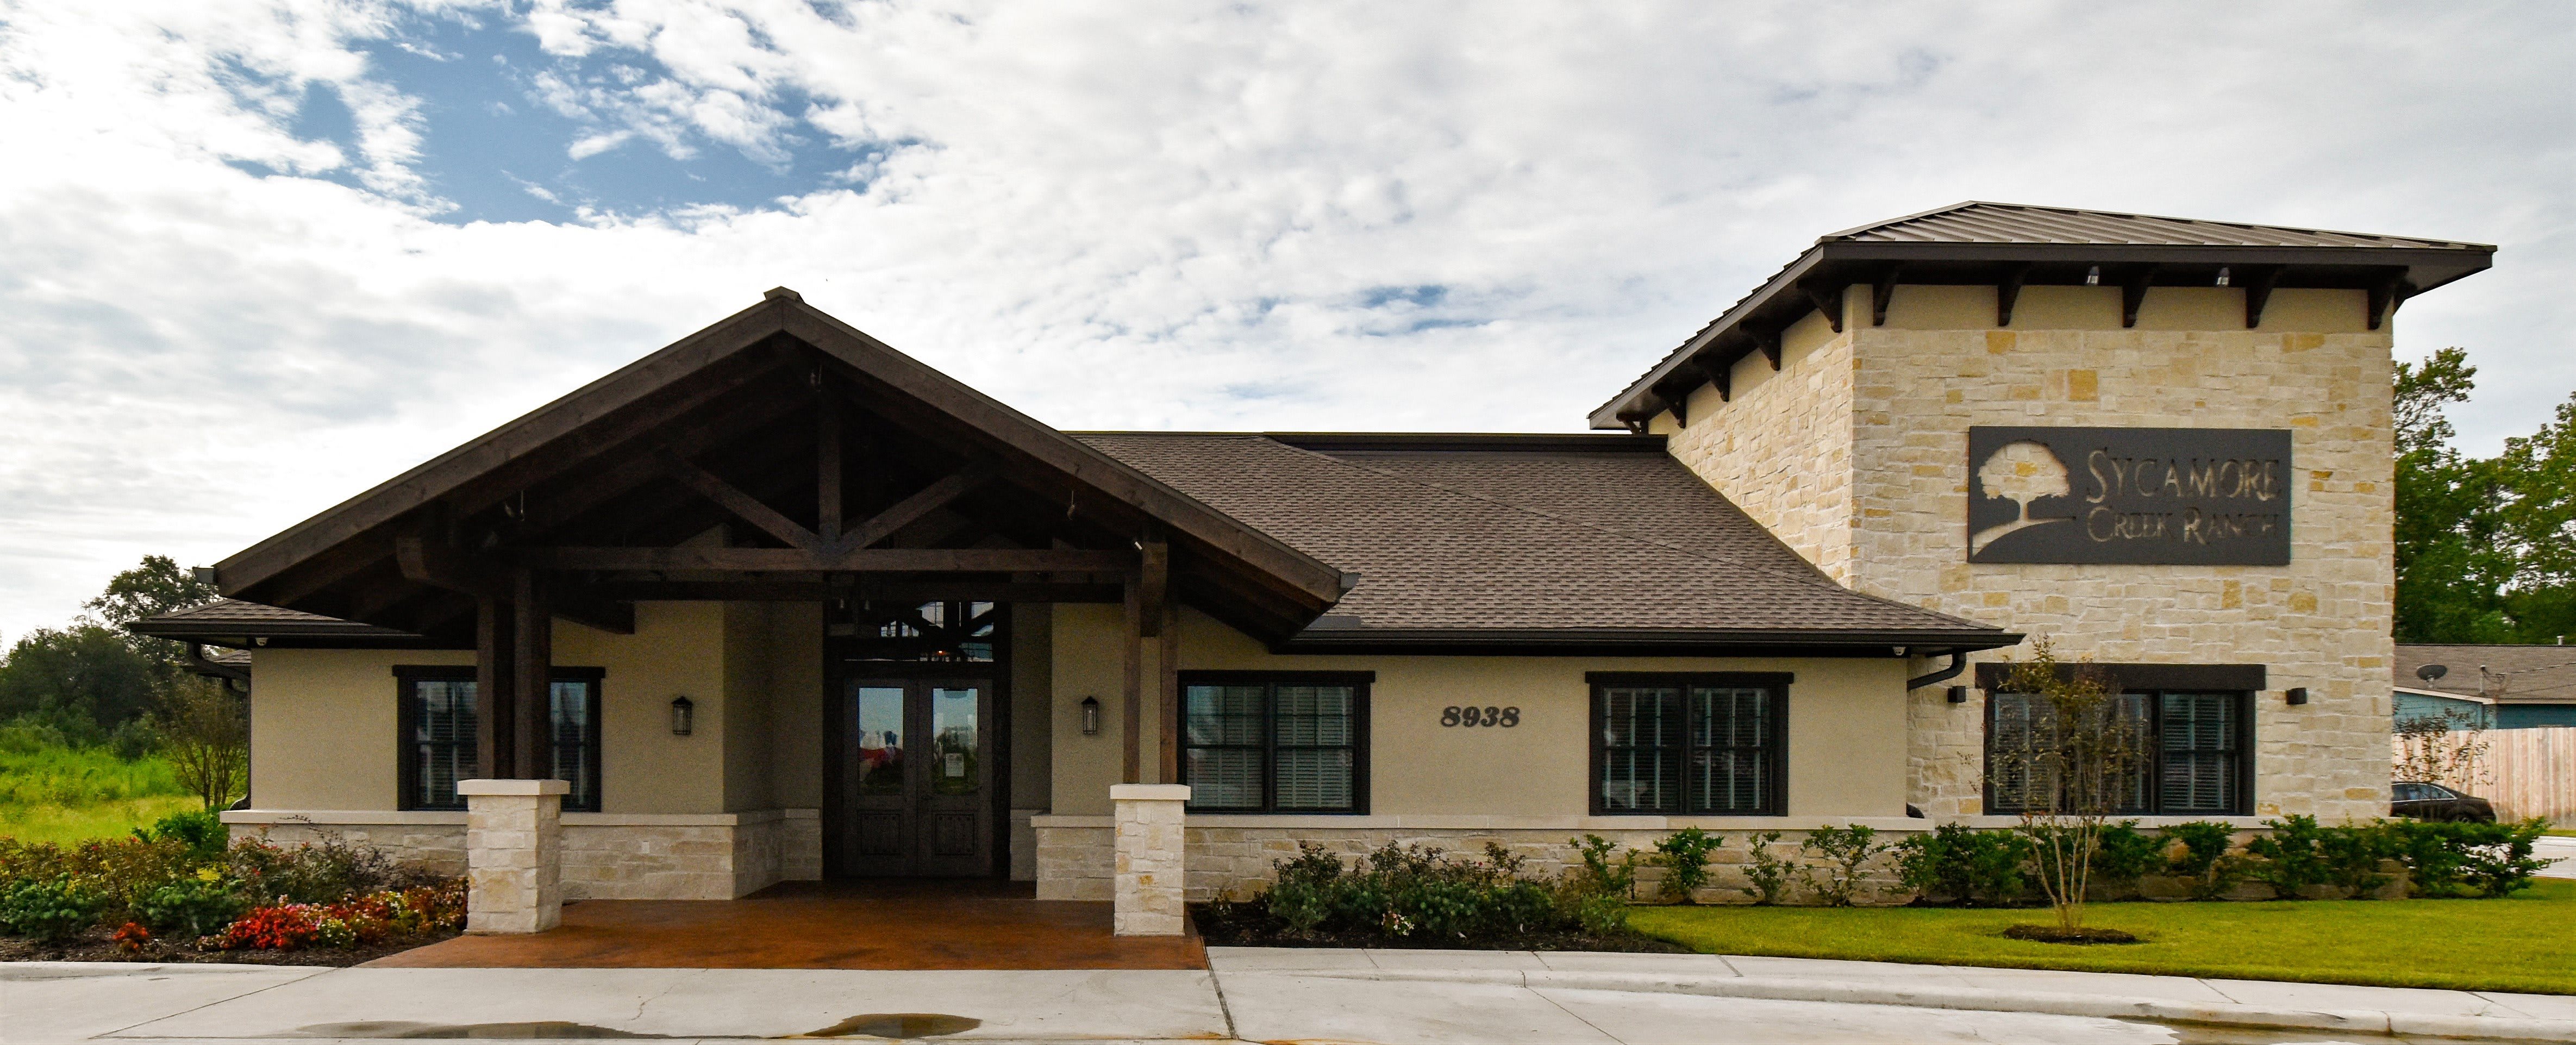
892 924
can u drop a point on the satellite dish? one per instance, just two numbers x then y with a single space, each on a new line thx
2431 672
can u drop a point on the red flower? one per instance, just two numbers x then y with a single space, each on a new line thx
132 937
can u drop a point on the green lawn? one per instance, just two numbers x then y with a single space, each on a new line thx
63 794
2516 944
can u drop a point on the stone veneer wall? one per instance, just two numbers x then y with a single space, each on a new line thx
605 856
1936 368
1792 473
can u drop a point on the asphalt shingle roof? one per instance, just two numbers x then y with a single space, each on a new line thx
1501 540
2508 674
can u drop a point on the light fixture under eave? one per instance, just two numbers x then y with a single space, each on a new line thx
2093 276
1090 716
684 715
2222 275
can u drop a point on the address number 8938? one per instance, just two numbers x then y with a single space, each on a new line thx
1489 715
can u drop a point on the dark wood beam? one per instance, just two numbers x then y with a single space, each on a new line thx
744 506
2133 293
427 562
496 642
1131 706
1769 343
1155 581
1167 668
1881 293
827 466
550 508
2008 292
533 659
1827 302
2385 295
931 498
806 560
2258 292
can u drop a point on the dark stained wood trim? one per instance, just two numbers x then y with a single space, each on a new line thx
1829 303
551 509
2258 292
1769 343
1168 667
2008 292
1154 583
2133 293
861 560
495 641
902 513
440 566
532 661
744 506
784 590
1882 292
827 466
1131 705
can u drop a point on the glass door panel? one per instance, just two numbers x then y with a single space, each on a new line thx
955 740
878 718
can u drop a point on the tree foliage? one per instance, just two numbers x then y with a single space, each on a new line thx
2486 548
92 681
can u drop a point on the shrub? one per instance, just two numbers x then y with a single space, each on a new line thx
2453 859
202 833
1965 865
1415 891
2203 858
1843 851
1599 875
284 927
1684 854
2299 854
1766 875
2122 853
50 910
312 872
201 904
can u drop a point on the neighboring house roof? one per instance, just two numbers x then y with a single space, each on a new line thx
2496 674
2015 245
1554 540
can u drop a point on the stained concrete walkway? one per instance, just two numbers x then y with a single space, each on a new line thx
815 925
1247 995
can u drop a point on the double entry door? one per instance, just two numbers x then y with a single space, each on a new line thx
916 776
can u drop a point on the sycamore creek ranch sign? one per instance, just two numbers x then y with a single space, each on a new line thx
2187 496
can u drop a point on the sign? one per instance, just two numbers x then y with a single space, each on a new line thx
2179 496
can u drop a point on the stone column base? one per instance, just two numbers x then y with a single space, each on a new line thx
1149 859
513 854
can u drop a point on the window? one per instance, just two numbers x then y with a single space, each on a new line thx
2194 759
441 735
931 632
1274 742
1689 745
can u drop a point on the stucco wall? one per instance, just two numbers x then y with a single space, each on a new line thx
1938 367
1846 754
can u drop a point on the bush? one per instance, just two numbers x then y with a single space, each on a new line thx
50 910
1766 875
1599 875
2454 859
1684 854
1843 851
2204 859
1965 866
1415 892
2123 854
203 833
201 904
358 921
2299 855
312 872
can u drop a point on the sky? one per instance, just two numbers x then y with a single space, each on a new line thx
259 255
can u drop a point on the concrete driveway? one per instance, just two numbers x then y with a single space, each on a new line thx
1248 995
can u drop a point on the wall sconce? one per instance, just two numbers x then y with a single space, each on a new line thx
2297 696
1958 694
2222 275
2093 276
684 714
1090 716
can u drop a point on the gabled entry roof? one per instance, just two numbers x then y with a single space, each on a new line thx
719 468
2009 246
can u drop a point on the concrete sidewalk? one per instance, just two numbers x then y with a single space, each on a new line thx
2246 1003
2560 850
1248 995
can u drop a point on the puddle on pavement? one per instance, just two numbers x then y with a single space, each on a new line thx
896 1025
554 1029
2215 1034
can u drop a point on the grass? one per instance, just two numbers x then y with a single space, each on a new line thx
60 794
2519 943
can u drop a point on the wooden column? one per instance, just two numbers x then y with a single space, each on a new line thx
1168 664
534 659
496 645
827 468
1131 709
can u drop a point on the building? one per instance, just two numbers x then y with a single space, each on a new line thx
799 606
2496 687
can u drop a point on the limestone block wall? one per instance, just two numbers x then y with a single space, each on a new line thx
606 856
1792 473
1939 366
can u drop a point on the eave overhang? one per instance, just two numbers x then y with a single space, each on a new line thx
1662 642
1817 280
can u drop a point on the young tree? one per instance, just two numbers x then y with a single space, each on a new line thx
2448 748
2538 473
2072 761
2453 559
206 736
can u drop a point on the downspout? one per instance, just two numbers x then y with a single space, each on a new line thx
1958 663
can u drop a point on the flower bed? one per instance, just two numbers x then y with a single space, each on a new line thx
177 892
1415 896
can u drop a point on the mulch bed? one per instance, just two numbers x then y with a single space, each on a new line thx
2053 934
1233 926
96 947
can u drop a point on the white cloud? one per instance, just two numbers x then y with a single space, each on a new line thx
1163 216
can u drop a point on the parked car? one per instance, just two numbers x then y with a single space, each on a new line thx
2425 801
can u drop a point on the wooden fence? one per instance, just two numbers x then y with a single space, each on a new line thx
2527 773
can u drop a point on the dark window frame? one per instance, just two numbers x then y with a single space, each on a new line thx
1359 682
2245 750
407 721
1776 738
